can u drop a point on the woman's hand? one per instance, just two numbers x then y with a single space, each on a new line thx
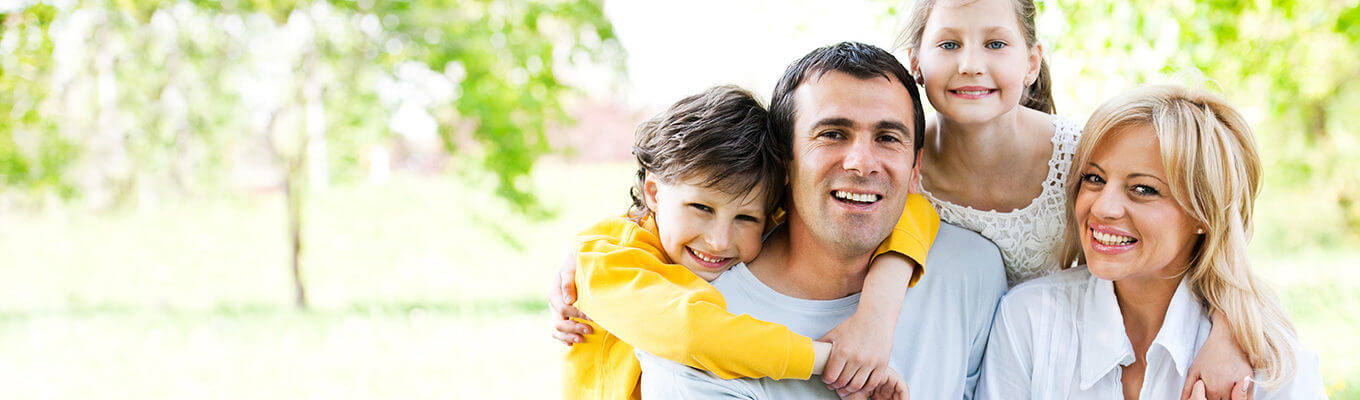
1220 365
560 299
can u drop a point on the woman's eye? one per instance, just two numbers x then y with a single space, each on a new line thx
949 45
701 207
996 45
1144 190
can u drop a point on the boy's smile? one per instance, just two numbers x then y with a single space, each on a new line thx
705 229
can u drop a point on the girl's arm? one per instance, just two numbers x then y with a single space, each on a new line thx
1220 363
863 343
664 309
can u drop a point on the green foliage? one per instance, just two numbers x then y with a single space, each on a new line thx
169 92
1292 64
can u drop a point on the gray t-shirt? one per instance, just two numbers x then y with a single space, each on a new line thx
938 344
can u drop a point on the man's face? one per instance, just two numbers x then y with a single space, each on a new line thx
852 158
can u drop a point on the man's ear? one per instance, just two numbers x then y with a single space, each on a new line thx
649 188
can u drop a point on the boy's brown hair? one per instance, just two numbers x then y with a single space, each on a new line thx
719 139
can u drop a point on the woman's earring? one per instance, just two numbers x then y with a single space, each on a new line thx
1199 231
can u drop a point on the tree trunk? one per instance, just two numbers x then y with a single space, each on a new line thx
293 196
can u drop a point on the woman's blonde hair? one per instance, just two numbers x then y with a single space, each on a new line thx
1214 173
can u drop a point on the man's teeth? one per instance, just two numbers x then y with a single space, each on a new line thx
701 256
860 197
1111 240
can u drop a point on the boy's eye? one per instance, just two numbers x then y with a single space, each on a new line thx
701 207
748 218
1144 190
996 45
949 45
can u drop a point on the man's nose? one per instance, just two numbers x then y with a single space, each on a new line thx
860 158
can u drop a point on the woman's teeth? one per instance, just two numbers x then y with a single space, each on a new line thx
859 197
1111 239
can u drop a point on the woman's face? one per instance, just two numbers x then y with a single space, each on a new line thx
1131 227
974 60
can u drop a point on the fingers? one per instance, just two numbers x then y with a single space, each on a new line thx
858 382
1197 391
570 332
832 372
1189 384
847 375
1242 389
567 283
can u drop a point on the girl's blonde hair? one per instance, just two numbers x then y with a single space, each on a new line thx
1214 173
1038 96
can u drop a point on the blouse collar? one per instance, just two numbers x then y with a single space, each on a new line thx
1104 345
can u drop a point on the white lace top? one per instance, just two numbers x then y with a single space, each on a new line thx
1028 237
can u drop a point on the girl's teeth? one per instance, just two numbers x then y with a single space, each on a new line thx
973 92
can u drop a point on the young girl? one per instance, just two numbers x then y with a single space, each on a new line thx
996 158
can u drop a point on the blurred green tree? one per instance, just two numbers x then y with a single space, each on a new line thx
116 98
1295 63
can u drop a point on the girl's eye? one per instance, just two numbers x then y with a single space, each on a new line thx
996 45
1092 179
701 207
949 45
1144 190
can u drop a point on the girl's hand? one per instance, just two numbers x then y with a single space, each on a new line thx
560 300
1220 365
859 354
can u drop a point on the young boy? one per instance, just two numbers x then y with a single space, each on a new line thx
710 180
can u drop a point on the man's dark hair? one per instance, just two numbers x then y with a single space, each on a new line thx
718 139
856 59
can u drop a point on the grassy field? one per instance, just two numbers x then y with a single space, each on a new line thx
415 293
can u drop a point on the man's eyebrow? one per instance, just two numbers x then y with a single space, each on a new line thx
891 125
835 121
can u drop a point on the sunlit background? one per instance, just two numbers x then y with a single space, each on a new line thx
367 199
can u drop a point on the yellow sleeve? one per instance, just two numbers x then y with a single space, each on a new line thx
914 234
664 309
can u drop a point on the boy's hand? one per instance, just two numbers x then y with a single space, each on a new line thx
893 388
859 354
1221 365
560 300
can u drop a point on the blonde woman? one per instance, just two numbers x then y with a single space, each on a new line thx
1160 203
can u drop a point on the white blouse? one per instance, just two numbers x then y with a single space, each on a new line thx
1028 237
1062 337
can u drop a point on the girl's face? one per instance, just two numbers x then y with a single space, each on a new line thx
1131 227
974 61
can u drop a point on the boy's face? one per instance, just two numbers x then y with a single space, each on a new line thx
705 229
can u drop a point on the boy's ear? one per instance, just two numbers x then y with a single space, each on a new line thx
649 187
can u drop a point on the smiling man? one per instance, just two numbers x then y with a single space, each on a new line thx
854 121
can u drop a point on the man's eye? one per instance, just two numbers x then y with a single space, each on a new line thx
831 134
949 45
889 138
996 45
701 207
